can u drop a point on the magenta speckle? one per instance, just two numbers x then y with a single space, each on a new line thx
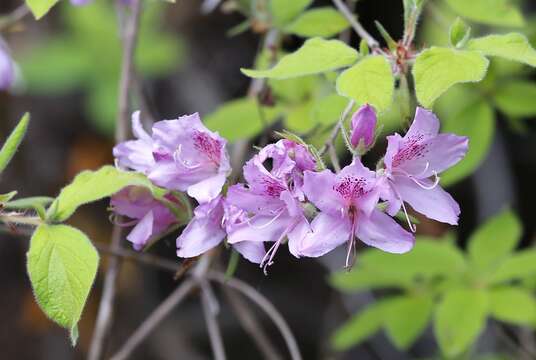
413 148
351 187
207 145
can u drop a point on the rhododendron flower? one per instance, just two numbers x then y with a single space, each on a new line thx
412 165
208 227
347 202
179 155
272 199
363 127
7 69
150 216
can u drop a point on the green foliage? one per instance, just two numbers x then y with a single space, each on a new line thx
89 186
324 22
513 305
516 98
316 56
459 319
369 81
13 142
513 46
437 69
284 11
519 266
241 119
28 203
459 33
495 240
490 12
40 8
88 55
62 264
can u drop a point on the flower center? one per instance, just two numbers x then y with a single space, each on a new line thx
351 187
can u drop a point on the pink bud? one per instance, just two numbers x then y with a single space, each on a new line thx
363 126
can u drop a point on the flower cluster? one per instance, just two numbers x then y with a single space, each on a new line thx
286 197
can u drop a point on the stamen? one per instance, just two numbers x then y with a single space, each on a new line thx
351 246
425 187
268 259
267 224
177 158
411 226
114 220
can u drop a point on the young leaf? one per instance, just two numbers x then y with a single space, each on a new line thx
315 56
459 33
516 98
39 8
495 240
475 120
13 141
459 319
241 119
360 327
284 11
62 264
323 21
437 69
89 186
513 305
490 12
406 317
369 81
520 265
28 203
513 46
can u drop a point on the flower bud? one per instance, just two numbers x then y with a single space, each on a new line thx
363 127
7 69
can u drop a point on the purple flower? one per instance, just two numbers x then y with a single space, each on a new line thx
7 69
363 127
412 165
271 200
208 228
150 216
347 202
179 155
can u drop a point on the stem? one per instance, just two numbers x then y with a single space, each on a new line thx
139 257
15 16
21 220
105 314
356 25
216 340
331 140
265 305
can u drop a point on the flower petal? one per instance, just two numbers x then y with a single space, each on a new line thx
318 187
251 250
327 232
207 189
425 124
200 235
245 199
142 232
382 232
435 203
296 236
260 228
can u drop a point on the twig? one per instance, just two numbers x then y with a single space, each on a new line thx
105 314
334 158
356 25
142 258
251 325
331 140
216 340
265 305
15 16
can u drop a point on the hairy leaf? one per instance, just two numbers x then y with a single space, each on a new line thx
13 142
284 11
513 305
520 265
40 8
324 22
513 46
516 98
491 12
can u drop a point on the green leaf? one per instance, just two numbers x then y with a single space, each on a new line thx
369 81
513 46
406 317
240 119
495 240
328 110
284 11
4 198
476 120
89 186
323 21
13 141
429 258
491 12
316 56
299 117
360 327
516 98
295 90
39 8
437 69
29 202
459 33
520 265
459 319
513 305
62 264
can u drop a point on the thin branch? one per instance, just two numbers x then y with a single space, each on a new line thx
331 140
6 21
105 314
356 25
251 325
142 258
332 151
216 340
265 305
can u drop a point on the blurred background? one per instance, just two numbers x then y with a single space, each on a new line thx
187 61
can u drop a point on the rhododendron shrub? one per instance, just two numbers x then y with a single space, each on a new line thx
337 144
